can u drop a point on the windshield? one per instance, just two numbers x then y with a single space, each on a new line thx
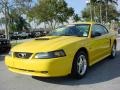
81 30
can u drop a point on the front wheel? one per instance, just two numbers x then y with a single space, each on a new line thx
80 65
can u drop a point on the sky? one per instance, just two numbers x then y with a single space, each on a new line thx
78 5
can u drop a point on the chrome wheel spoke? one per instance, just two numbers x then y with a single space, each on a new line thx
82 64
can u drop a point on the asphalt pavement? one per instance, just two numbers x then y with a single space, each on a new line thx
102 76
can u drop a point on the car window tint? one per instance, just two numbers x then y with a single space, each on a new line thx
80 30
83 30
99 28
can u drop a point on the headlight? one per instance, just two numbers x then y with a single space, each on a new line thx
53 54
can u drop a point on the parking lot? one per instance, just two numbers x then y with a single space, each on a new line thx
102 76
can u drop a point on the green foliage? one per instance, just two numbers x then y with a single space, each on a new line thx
76 17
20 7
113 14
110 9
51 12
17 23
104 1
86 14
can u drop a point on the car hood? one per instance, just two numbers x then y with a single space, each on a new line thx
47 43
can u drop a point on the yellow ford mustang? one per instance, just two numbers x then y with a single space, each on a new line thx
67 50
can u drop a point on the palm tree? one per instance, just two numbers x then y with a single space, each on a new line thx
100 2
95 3
107 3
88 2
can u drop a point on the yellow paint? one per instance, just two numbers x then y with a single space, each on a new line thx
98 48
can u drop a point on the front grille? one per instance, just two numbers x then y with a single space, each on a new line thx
22 55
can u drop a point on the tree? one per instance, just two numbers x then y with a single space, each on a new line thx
51 12
18 23
86 15
106 5
99 11
7 5
2 22
76 17
113 13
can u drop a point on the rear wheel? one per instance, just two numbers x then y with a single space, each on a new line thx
80 65
113 51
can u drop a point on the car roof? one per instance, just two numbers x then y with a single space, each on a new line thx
84 23
91 23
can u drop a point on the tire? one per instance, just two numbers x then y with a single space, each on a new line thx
80 65
113 51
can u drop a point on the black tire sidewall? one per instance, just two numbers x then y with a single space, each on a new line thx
74 71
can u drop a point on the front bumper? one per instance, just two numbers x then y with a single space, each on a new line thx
40 67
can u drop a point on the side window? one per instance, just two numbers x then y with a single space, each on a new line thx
105 29
83 29
99 29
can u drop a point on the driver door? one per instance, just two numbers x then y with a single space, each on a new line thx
99 43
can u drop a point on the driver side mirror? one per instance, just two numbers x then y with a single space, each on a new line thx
96 34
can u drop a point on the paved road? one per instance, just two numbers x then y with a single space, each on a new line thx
102 76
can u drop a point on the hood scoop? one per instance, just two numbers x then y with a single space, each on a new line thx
47 38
